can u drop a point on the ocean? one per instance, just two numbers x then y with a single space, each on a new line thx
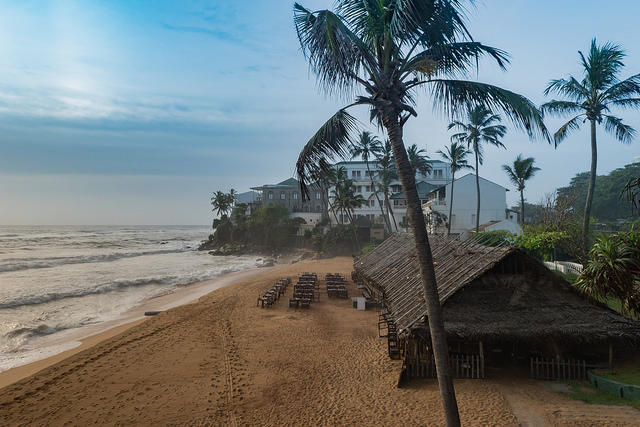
56 279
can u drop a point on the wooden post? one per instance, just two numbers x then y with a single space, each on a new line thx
611 356
481 351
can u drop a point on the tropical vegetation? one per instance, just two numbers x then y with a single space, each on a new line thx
456 155
519 173
613 270
387 50
482 127
591 99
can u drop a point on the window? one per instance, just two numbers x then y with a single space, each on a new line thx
437 173
359 189
283 196
270 195
318 196
295 196
368 188
355 174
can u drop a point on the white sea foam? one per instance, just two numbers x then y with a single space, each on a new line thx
56 279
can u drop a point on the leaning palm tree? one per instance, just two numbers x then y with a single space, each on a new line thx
481 127
367 147
456 154
388 49
519 173
592 99
418 159
387 176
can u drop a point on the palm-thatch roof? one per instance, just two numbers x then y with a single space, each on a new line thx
523 301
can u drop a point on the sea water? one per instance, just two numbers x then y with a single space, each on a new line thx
56 279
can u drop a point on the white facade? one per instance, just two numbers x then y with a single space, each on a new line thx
358 173
493 203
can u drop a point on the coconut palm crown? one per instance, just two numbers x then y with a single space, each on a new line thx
519 173
379 53
592 99
368 147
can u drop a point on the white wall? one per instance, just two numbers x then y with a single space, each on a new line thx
493 203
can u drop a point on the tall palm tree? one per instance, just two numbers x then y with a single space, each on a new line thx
335 177
456 154
368 147
519 173
418 159
481 127
387 176
346 200
592 99
389 49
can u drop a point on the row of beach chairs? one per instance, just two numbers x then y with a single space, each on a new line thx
272 295
305 291
336 285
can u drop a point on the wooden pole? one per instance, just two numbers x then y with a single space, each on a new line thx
481 351
611 356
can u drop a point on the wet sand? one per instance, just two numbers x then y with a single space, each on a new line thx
223 361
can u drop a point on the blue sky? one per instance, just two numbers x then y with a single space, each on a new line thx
133 112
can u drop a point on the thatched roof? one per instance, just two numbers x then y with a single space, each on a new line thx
527 301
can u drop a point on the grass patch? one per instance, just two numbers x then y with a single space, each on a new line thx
628 376
368 248
569 277
584 392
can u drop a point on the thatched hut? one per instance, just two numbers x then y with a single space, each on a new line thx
500 306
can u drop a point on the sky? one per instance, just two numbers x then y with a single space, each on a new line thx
134 112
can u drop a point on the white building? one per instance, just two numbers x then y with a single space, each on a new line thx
358 173
494 214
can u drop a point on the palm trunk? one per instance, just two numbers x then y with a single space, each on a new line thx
389 210
355 231
478 194
427 271
386 219
592 185
522 207
453 179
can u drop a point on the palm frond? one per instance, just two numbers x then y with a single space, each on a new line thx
564 130
331 141
623 132
627 103
453 58
602 64
627 88
427 22
335 54
560 107
455 95
570 88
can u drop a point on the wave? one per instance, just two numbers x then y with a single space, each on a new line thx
114 286
18 264
40 330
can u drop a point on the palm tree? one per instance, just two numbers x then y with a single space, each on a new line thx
387 176
221 203
519 173
592 99
389 49
481 127
335 177
346 200
456 154
418 159
613 271
368 146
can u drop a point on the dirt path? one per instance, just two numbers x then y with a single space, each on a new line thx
223 361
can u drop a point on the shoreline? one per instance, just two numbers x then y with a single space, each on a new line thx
88 336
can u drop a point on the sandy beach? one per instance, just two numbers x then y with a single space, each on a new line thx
223 361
